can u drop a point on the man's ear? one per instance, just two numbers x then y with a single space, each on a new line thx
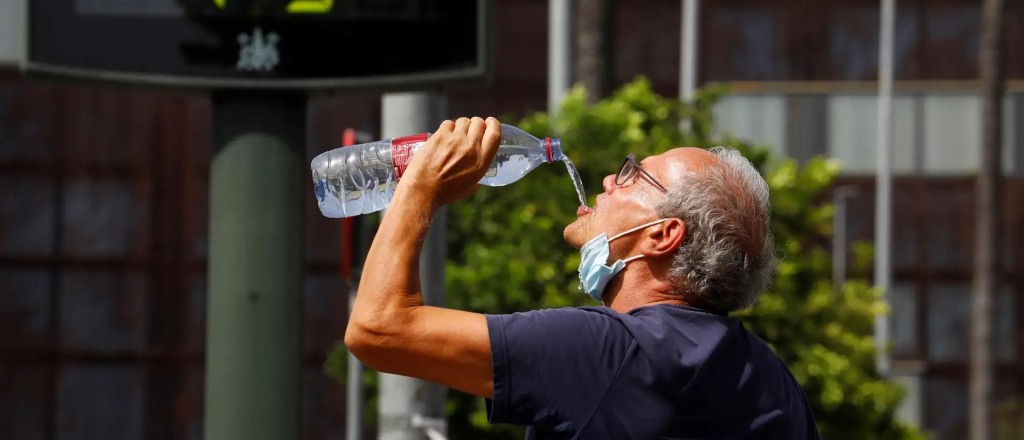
664 240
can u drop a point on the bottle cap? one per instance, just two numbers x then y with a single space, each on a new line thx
554 148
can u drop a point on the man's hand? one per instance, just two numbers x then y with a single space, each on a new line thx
451 163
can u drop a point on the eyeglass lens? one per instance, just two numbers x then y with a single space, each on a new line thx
625 172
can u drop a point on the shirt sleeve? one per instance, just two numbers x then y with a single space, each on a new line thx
553 366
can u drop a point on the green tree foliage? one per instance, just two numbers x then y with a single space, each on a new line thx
506 254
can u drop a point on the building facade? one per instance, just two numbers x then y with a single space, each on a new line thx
104 204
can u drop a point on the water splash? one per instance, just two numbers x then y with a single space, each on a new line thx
576 181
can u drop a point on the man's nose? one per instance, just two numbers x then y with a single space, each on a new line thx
608 183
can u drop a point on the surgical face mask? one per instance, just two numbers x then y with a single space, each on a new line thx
594 271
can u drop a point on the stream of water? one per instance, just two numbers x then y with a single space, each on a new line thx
576 181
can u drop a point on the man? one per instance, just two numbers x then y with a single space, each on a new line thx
673 245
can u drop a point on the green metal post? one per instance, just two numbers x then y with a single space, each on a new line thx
254 312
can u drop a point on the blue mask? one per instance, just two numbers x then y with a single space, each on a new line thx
594 271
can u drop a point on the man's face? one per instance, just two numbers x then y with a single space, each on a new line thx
620 208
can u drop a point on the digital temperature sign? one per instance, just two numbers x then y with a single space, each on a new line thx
272 44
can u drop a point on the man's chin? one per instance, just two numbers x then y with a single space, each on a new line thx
573 234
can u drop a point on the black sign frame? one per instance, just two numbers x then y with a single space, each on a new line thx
478 73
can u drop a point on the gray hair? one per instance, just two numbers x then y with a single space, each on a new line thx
728 255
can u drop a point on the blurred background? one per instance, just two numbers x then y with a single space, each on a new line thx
105 206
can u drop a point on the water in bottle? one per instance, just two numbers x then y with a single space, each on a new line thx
362 179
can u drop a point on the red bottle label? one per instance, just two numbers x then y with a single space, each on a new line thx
402 149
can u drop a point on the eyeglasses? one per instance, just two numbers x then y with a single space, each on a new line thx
628 171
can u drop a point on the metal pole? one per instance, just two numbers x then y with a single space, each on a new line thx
883 198
354 389
559 52
688 50
987 253
595 35
401 398
258 182
687 56
354 237
839 235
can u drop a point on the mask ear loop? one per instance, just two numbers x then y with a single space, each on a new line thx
635 257
638 228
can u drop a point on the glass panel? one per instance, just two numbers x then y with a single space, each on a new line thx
109 121
1014 124
907 231
759 119
100 402
103 311
24 308
906 228
903 319
853 37
25 128
116 126
23 399
837 41
103 218
949 319
860 215
949 323
750 44
1005 332
853 131
946 407
645 52
951 41
26 216
806 126
952 133
1012 238
950 222
1010 153
803 42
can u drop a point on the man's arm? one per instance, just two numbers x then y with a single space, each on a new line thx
390 330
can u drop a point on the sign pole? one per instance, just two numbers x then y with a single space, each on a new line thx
403 398
354 384
254 331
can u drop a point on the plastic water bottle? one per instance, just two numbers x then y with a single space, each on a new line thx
361 179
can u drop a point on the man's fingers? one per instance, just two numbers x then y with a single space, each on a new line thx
446 126
492 137
461 126
476 129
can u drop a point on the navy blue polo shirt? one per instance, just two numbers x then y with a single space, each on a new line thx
657 372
